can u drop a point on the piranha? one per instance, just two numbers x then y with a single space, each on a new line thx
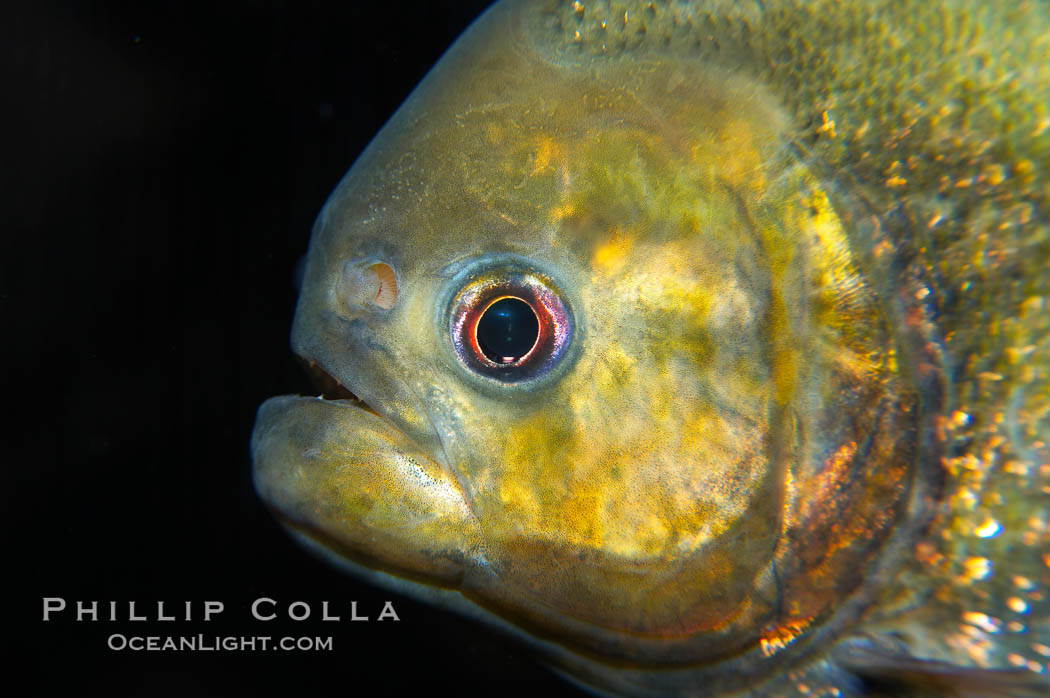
704 346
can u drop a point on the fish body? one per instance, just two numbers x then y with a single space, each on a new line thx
703 346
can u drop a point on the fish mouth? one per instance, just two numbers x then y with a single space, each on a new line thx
330 388
348 476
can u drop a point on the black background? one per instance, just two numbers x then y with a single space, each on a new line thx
162 166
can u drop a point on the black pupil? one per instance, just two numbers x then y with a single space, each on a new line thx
507 330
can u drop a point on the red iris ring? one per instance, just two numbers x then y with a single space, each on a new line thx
554 326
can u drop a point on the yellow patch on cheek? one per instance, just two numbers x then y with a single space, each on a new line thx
559 213
609 257
534 464
705 432
547 150
553 482
610 373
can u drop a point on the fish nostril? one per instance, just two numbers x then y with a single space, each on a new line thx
365 284
386 293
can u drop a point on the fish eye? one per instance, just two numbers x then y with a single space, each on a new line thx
511 326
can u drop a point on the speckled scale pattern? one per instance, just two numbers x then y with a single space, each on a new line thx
932 120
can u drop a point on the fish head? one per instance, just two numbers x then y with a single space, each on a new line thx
697 409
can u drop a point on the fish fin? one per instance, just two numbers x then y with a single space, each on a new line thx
883 668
